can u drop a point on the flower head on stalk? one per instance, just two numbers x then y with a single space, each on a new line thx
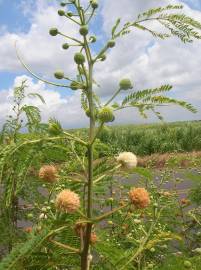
139 197
67 201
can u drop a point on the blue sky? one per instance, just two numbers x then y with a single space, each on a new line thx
19 20
25 21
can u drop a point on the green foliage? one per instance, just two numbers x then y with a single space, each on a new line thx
177 262
195 194
150 139
176 24
24 251
14 122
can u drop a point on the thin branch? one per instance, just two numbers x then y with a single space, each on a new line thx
70 18
65 246
97 133
71 38
104 175
90 17
98 219
35 75
75 138
115 94
139 105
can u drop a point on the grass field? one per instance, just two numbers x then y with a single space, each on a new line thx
154 138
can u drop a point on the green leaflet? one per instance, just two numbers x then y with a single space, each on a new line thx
15 259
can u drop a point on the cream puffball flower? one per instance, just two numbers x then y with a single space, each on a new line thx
127 159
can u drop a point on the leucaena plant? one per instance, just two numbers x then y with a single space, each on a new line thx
99 114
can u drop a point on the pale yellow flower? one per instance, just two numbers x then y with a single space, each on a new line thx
127 159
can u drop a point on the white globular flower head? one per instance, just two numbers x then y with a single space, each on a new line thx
127 159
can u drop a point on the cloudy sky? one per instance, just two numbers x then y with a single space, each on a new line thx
148 62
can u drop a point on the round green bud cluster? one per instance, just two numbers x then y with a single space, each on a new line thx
59 74
79 58
111 43
30 215
84 30
92 39
63 4
187 264
53 31
94 4
87 112
65 46
75 86
61 12
69 14
106 115
103 57
125 84
150 266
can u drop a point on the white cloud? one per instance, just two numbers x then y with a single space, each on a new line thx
66 109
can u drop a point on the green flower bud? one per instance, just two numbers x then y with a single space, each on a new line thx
61 12
30 215
74 86
111 43
65 46
87 112
187 264
125 84
59 74
110 222
69 14
150 266
94 4
103 57
84 30
79 58
53 31
155 205
63 4
44 209
152 250
137 221
92 39
106 115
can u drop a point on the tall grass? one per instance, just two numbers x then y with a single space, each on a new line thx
156 138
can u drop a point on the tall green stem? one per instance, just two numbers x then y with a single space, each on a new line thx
85 252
